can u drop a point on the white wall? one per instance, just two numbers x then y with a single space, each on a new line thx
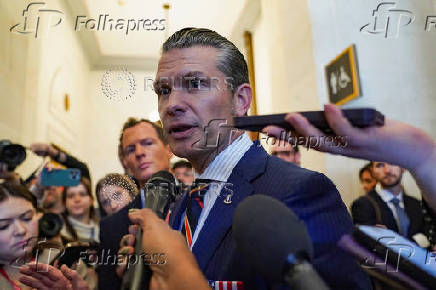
40 72
283 60
397 75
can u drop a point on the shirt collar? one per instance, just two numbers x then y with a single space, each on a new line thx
386 195
224 163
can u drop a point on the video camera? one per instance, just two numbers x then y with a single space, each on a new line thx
11 154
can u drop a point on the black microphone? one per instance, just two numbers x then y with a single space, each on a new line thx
159 194
275 242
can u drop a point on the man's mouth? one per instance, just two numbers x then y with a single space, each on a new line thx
181 131
144 165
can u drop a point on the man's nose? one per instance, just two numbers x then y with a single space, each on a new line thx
140 151
175 105
388 168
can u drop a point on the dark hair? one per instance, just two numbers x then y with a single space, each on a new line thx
8 189
230 60
367 167
87 184
132 122
116 179
182 164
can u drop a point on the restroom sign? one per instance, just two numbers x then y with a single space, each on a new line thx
342 77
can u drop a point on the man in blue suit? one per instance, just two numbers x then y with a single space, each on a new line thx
201 82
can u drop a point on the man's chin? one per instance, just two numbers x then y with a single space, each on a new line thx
390 183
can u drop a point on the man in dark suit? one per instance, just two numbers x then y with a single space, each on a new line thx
202 81
388 206
143 151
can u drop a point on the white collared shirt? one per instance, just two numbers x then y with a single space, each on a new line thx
219 170
387 197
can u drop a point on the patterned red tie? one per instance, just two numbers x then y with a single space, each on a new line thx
193 208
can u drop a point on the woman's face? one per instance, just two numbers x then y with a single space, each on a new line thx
18 228
113 198
78 202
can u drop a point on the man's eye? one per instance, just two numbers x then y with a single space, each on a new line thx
195 84
163 91
146 142
129 150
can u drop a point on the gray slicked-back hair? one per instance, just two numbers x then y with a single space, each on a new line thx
230 60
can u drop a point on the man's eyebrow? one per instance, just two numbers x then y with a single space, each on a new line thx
171 80
195 74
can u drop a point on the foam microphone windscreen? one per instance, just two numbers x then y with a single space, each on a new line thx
266 232
162 176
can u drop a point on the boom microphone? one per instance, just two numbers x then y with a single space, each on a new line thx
160 193
275 242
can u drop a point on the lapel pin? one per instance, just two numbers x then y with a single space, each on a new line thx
228 199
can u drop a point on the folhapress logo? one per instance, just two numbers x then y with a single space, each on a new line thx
37 20
387 20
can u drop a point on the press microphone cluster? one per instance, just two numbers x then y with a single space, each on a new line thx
275 242
159 194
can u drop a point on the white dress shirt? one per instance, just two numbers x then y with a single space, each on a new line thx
387 197
219 170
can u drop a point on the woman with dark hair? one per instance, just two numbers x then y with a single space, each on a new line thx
18 232
114 191
80 220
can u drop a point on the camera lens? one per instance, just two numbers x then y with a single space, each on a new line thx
50 225
11 154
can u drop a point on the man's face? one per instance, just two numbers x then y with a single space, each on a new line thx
368 182
52 196
285 151
184 174
143 152
192 92
388 175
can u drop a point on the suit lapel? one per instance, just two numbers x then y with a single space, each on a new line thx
220 218
411 212
391 222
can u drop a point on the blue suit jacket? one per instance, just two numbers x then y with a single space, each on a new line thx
310 195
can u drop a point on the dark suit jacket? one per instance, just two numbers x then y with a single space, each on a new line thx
112 229
364 213
310 195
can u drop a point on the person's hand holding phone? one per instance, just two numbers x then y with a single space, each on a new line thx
394 142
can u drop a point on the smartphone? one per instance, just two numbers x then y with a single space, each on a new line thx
361 118
60 177
75 251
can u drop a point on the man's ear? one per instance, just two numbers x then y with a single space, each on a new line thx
242 100
123 163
